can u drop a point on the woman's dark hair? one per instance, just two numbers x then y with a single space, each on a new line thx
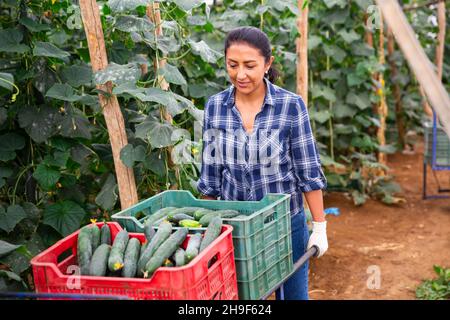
256 39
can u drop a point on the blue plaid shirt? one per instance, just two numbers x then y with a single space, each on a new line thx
279 156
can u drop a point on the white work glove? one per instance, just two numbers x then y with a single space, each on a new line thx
319 237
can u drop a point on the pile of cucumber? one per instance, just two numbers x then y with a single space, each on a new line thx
127 257
188 217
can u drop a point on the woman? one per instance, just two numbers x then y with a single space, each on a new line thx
257 140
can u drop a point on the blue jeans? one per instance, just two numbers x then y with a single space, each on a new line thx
296 288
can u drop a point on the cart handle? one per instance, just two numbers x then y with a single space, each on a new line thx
312 252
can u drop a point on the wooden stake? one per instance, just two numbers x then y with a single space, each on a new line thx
418 60
396 89
382 107
111 110
302 52
154 14
441 39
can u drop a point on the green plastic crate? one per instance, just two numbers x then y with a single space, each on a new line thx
257 287
442 145
262 239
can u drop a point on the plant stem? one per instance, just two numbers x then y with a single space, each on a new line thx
17 182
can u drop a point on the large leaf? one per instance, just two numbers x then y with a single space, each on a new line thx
125 5
107 197
187 5
47 49
360 100
34 26
172 74
5 172
77 75
118 74
134 24
3 115
9 143
76 125
62 92
40 123
157 133
10 41
203 50
282 5
46 177
349 36
332 3
65 217
6 248
129 154
336 53
10 218
6 80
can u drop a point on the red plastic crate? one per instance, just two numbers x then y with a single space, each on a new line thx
211 275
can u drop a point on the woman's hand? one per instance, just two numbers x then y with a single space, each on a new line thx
319 237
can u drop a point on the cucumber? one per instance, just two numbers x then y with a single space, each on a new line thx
211 233
193 246
84 249
188 223
158 222
143 247
186 210
105 235
131 258
164 231
149 231
99 261
161 213
115 261
224 214
198 214
178 217
95 236
165 251
180 257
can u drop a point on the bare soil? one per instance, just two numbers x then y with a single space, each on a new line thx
402 242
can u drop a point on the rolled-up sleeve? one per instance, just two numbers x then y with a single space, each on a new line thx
306 159
210 179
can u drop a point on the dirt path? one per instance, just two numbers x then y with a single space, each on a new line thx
403 242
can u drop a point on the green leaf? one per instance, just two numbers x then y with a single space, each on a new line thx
320 116
196 20
3 115
118 74
126 5
361 100
9 219
46 176
358 198
336 53
206 53
353 79
10 41
58 159
172 74
108 195
62 92
47 49
76 125
313 42
349 36
41 123
388 148
332 3
9 143
157 133
33 26
77 75
129 155
6 80
134 24
65 216
6 248
282 5
187 5
10 275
